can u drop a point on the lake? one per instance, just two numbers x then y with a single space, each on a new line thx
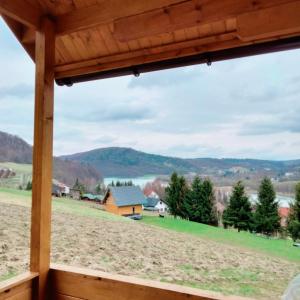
283 201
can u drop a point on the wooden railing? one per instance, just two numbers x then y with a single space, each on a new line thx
77 284
69 283
18 288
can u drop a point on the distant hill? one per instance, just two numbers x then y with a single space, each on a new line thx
117 161
127 162
14 149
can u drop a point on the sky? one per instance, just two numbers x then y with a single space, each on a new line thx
243 108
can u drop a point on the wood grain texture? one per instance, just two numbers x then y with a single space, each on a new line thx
104 12
94 285
42 156
18 288
270 22
183 15
22 12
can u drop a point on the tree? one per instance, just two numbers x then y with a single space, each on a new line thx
238 214
200 202
98 188
294 217
266 218
79 186
192 201
29 186
208 211
172 194
175 195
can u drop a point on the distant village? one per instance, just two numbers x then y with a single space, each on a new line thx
126 199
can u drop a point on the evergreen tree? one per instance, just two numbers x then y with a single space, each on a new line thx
266 218
175 195
29 186
172 194
79 186
200 202
192 201
294 217
207 210
238 213
98 188
183 193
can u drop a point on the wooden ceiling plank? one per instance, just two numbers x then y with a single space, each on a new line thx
145 52
146 58
182 15
105 12
270 22
22 12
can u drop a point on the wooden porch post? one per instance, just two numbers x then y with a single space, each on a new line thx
42 156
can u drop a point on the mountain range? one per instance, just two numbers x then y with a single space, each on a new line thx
127 162
91 166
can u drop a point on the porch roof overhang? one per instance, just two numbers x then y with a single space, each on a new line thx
98 39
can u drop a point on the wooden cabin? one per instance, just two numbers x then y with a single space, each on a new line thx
124 200
80 40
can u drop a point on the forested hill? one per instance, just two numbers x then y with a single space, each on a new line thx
15 149
127 162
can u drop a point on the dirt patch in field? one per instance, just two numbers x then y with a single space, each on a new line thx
133 248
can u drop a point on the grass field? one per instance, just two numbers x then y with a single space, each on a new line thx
80 208
167 250
23 174
276 247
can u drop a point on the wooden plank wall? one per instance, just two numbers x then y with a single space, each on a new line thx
18 288
74 283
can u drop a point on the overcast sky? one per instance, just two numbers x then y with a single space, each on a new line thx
246 108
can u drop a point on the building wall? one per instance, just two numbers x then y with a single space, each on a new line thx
161 206
128 210
124 210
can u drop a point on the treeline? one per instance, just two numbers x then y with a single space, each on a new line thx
121 183
196 202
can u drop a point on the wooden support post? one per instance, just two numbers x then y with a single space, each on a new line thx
42 156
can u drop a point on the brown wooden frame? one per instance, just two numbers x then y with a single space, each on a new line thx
38 30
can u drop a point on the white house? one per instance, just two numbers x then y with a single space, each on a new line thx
155 204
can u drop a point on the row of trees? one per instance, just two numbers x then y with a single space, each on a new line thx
121 183
263 218
195 203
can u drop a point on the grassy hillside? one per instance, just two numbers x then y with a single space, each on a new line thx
66 205
189 254
16 150
23 174
276 247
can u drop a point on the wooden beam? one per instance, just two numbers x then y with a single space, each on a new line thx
42 156
18 29
271 22
105 12
22 11
182 15
69 282
18 288
28 36
146 55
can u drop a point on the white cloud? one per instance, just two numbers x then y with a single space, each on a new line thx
239 108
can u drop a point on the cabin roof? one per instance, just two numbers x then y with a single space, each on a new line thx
126 195
99 39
